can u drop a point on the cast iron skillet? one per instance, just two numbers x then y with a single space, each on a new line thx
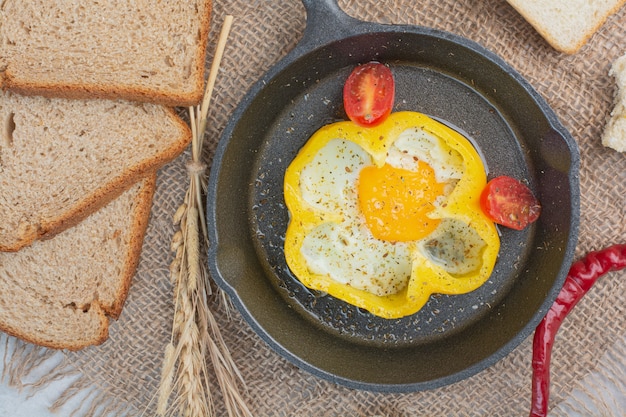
453 80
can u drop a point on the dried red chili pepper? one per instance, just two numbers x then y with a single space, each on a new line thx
581 277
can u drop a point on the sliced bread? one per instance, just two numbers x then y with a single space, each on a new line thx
60 292
566 24
614 135
61 160
146 50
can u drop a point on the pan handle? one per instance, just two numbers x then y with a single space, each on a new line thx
326 22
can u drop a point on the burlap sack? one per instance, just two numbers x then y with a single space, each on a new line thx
122 375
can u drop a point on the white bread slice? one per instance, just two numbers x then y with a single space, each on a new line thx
614 135
145 50
566 24
60 292
61 160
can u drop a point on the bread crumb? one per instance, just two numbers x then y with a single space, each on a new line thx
614 135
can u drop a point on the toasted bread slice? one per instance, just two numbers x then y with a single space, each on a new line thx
61 160
566 24
60 293
150 51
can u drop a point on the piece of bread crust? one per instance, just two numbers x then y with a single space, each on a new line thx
152 52
566 24
614 135
60 293
60 160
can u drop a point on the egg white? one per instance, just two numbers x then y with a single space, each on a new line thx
349 254
417 144
328 182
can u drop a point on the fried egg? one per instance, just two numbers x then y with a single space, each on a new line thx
370 207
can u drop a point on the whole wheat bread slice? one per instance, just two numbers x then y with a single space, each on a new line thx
61 160
566 24
146 50
61 292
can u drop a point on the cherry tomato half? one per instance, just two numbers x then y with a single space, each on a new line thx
510 203
368 94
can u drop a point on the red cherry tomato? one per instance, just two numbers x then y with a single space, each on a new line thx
368 94
510 203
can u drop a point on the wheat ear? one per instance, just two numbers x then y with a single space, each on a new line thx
195 334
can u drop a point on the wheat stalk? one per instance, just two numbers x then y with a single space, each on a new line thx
195 335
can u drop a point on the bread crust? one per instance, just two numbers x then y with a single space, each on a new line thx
26 87
141 219
12 81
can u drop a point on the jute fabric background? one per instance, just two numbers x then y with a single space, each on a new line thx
124 371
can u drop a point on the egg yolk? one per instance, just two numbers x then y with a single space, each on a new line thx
396 202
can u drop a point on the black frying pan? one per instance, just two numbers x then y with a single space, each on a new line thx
453 80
